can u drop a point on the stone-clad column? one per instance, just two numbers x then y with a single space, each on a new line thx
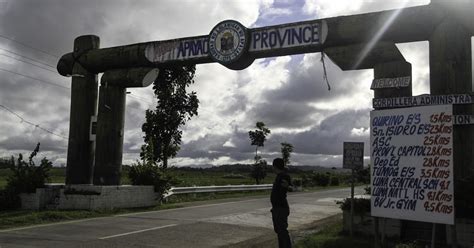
109 137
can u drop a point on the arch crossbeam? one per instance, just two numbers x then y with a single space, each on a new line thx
411 24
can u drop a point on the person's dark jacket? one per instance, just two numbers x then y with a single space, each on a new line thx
278 196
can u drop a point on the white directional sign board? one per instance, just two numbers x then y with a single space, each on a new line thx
412 163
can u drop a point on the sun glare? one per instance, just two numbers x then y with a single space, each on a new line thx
370 45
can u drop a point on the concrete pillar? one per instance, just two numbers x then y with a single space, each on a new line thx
109 137
80 154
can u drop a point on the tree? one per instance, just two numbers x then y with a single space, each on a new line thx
174 107
286 150
259 170
257 139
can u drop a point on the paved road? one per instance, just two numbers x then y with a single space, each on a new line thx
213 224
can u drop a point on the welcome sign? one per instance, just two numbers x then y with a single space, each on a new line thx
412 164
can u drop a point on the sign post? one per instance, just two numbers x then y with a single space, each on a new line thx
353 158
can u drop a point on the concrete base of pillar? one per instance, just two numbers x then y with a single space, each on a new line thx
90 197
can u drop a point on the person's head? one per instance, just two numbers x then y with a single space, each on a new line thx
279 164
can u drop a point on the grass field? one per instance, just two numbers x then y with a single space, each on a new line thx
202 178
185 178
332 237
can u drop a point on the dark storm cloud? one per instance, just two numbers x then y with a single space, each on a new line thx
326 138
38 103
53 24
284 114
212 146
306 83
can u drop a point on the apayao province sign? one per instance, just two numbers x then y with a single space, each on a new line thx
229 41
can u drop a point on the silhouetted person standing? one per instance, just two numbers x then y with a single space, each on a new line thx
280 208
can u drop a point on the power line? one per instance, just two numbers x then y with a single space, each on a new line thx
35 60
31 123
57 85
26 45
27 62
39 80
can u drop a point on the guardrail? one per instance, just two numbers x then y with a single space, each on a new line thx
211 189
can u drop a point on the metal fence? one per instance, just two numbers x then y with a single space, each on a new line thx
211 189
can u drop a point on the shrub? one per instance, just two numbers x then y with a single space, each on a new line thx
9 199
368 190
297 182
335 181
25 177
361 205
149 174
6 163
362 175
320 179
306 181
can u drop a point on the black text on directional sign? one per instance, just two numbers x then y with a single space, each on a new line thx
422 100
412 163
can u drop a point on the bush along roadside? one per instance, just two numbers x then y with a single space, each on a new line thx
150 174
361 205
25 177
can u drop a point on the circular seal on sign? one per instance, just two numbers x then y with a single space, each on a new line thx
228 41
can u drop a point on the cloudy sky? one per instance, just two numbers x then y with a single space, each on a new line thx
287 93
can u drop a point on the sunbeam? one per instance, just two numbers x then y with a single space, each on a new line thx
364 52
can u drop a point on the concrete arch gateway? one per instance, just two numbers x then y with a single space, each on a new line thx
364 41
